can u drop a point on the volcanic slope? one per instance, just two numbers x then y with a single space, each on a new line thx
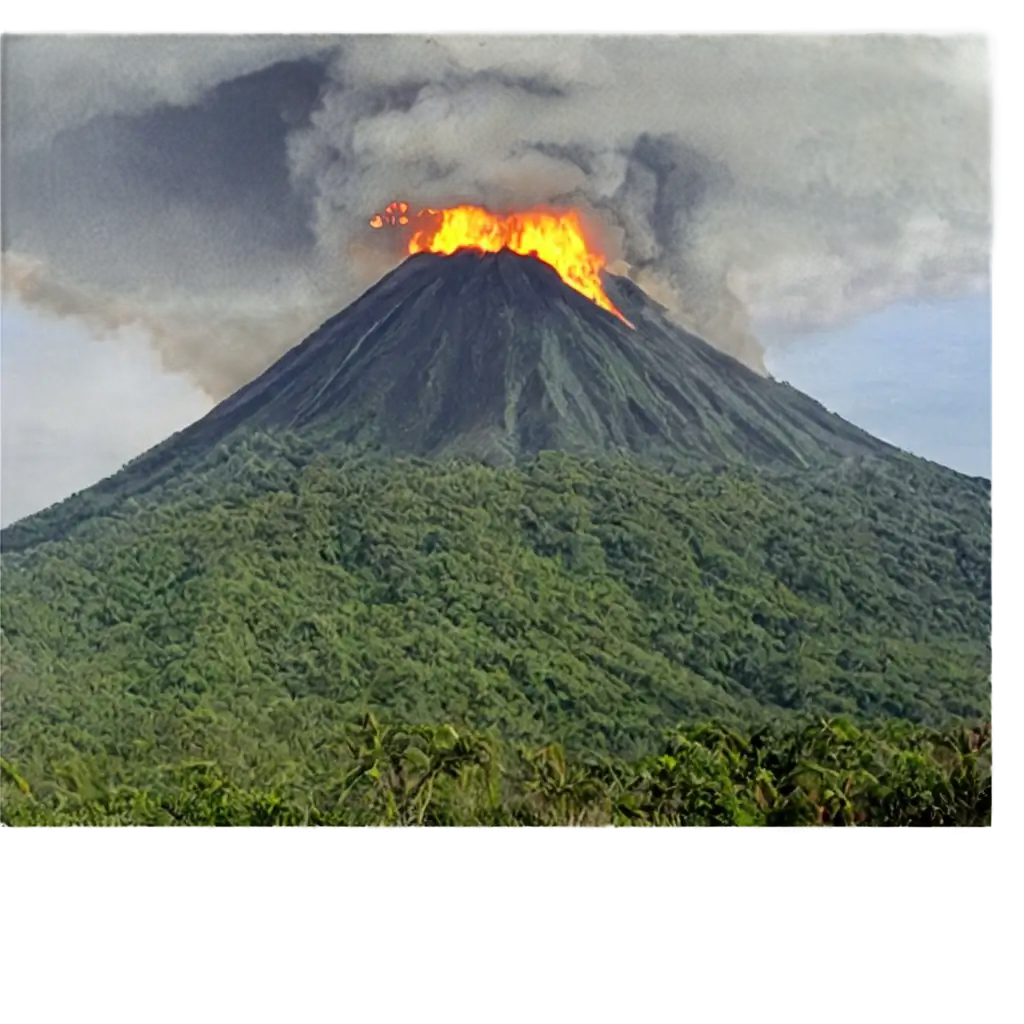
366 527
492 356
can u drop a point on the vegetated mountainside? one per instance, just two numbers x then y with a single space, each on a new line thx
263 602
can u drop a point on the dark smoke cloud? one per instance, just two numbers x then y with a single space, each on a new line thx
216 191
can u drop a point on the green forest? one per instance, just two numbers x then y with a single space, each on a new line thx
824 773
566 641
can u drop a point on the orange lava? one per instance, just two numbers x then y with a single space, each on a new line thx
556 238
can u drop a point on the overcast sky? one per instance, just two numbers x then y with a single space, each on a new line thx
75 409
918 375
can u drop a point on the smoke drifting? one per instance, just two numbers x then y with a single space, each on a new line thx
216 192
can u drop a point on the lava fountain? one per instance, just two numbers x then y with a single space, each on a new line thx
556 238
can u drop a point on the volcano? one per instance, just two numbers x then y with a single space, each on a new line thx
477 497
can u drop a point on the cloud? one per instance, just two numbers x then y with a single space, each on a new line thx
799 180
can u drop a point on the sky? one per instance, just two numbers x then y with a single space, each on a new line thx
918 375
76 408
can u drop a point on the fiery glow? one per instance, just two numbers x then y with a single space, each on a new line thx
556 238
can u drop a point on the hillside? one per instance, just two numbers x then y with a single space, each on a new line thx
594 603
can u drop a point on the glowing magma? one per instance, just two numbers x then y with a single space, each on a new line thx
555 238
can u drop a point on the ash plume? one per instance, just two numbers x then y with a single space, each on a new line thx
216 191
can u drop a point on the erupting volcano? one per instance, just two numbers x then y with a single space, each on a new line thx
555 238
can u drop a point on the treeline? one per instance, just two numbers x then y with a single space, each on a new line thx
821 773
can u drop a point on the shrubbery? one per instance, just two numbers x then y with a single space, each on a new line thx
825 773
